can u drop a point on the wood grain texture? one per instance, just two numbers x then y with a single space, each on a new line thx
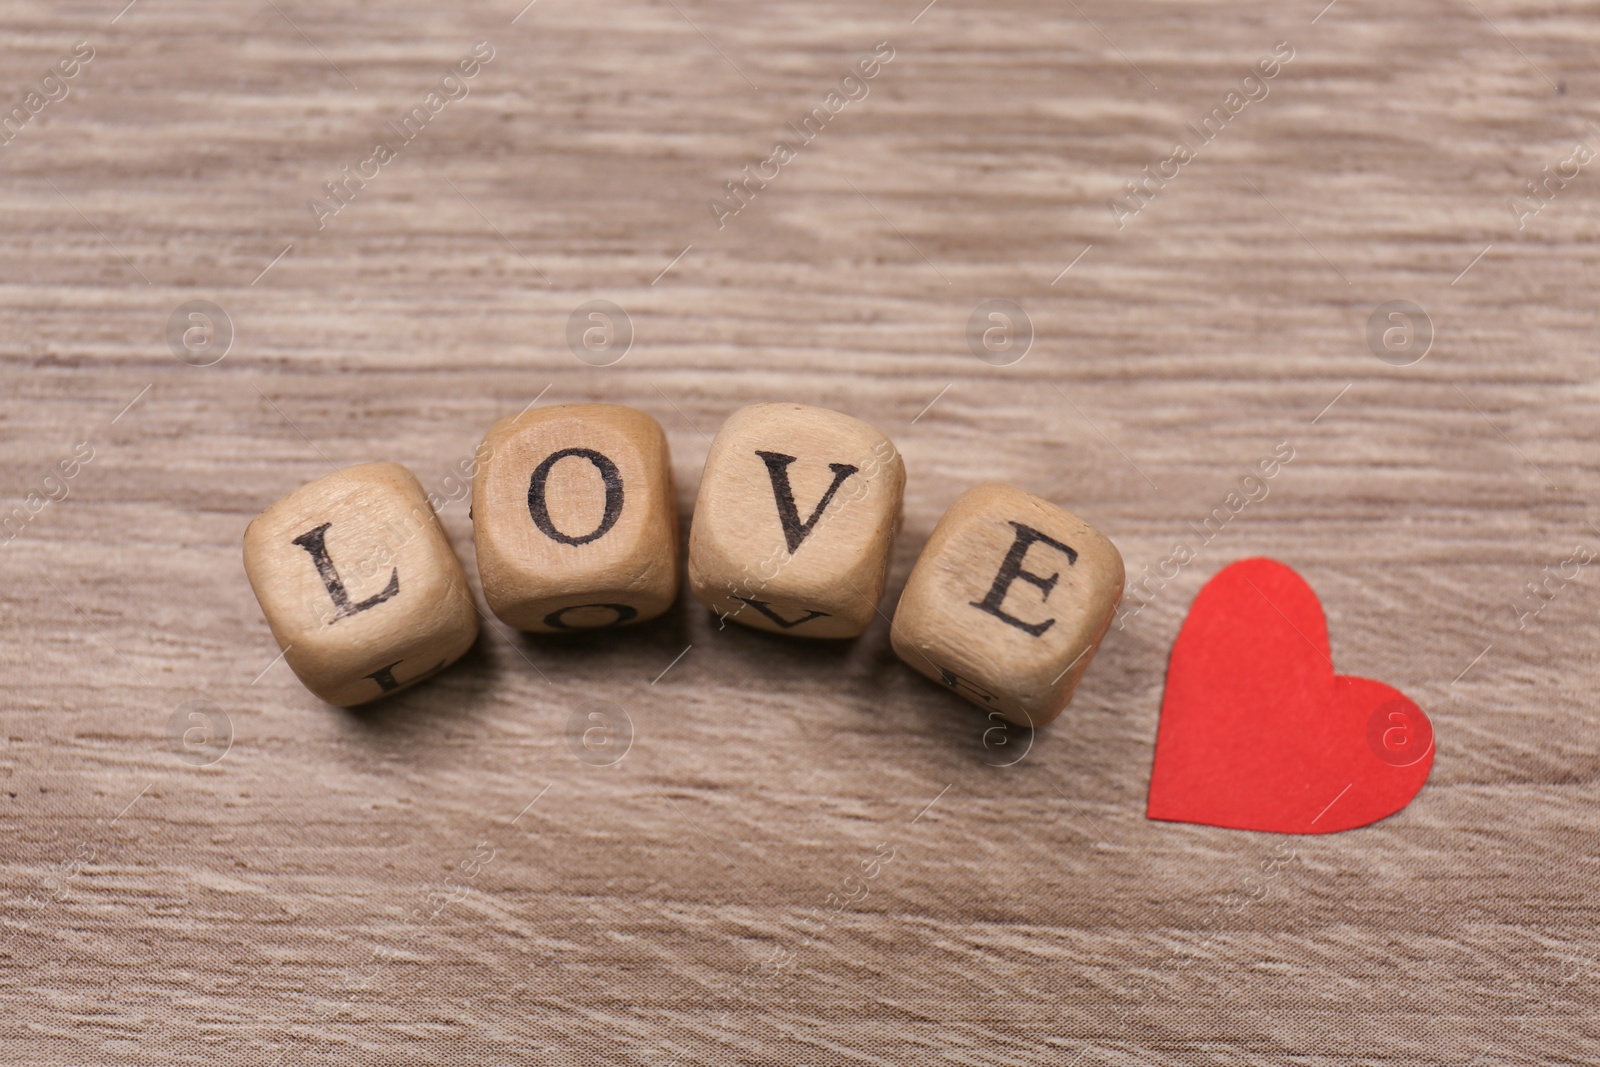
444 878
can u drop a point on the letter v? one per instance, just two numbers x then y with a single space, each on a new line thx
765 607
795 531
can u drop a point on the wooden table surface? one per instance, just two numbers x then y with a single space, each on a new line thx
452 876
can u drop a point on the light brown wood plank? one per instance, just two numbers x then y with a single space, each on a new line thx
256 910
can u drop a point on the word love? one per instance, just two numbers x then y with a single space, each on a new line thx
576 528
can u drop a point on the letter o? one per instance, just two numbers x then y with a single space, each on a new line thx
609 475
625 613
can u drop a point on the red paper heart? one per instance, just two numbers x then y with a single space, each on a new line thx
1258 732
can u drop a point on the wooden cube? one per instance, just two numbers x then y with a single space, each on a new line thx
1008 602
359 584
575 518
795 521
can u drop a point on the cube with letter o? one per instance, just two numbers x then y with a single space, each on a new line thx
575 518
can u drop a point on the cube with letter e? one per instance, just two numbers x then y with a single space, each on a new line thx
1008 602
